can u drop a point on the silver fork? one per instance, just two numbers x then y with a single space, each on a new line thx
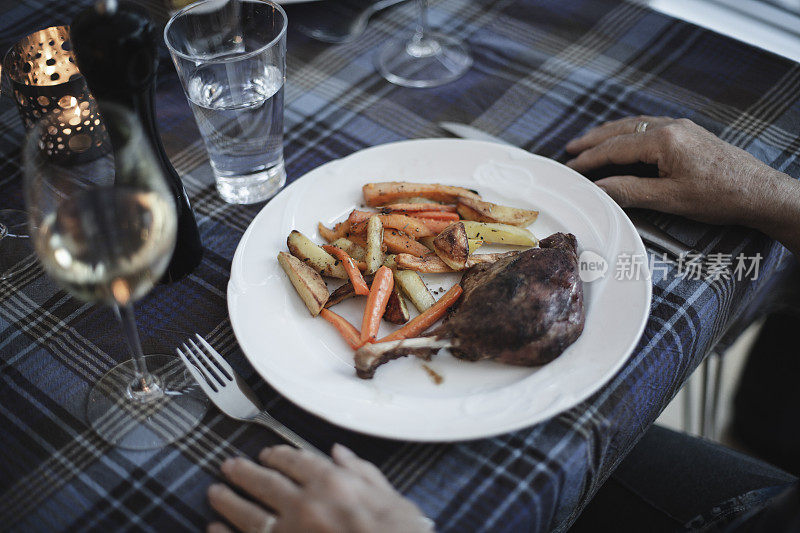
229 392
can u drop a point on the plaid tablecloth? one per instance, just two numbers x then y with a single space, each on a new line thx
544 71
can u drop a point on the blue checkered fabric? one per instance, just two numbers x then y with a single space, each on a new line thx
544 72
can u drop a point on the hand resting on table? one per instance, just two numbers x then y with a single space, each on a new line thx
295 490
699 176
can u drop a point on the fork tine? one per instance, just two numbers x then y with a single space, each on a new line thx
198 374
210 367
207 373
223 364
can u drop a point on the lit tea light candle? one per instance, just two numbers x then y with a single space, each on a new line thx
45 80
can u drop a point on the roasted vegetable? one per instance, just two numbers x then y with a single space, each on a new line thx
396 309
374 256
356 279
345 328
435 225
479 210
397 243
344 292
307 251
425 320
307 282
354 250
499 233
430 264
474 244
452 246
377 194
412 286
408 225
378 298
338 231
413 207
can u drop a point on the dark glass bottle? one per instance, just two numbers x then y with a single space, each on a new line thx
115 45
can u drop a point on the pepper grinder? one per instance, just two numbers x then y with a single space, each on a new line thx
116 49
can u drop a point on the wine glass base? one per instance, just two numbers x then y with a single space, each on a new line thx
427 61
133 424
16 249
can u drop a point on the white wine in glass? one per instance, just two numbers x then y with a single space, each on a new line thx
425 58
105 230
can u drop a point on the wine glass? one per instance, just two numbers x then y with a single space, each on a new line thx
425 59
15 248
105 230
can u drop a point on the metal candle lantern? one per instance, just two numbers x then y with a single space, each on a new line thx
45 81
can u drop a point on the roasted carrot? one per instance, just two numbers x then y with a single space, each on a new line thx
438 215
436 226
351 267
392 191
338 231
404 208
357 216
423 321
409 225
348 330
382 285
399 243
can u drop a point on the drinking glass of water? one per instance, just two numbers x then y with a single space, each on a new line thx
231 59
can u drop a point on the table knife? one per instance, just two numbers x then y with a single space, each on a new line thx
648 231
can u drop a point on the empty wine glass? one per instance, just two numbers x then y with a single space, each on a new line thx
105 230
425 59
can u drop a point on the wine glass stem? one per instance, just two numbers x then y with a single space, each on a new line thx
144 386
422 25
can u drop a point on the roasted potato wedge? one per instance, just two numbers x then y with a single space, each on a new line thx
499 233
344 292
412 286
307 251
389 261
467 213
374 254
474 244
430 264
307 282
378 194
489 212
452 246
354 250
396 310
428 242
476 259
433 264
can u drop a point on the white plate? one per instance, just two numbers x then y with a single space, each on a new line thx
306 360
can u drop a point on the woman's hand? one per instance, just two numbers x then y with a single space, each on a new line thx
299 491
700 176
